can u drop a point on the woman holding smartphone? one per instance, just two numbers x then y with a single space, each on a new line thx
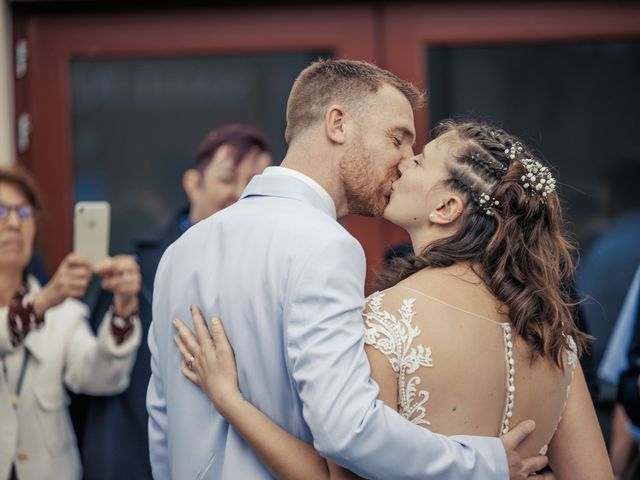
46 344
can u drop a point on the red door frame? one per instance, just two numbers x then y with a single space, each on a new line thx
55 39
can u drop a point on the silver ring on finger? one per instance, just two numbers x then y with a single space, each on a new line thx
190 363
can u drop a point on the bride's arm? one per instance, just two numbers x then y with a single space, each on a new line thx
577 449
214 371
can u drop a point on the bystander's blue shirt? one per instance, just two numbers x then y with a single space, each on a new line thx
615 359
605 274
185 223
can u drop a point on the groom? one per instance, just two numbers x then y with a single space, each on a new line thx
288 279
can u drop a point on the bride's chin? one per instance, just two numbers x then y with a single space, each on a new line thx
388 215
397 219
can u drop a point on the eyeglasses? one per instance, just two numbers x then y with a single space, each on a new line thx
24 211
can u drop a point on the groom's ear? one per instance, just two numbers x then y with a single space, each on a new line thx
447 211
335 120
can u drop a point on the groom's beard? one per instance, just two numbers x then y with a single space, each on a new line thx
365 193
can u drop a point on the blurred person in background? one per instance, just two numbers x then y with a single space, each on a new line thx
621 366
46 343
116 427
608 264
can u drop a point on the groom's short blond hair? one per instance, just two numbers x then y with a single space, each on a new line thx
344 82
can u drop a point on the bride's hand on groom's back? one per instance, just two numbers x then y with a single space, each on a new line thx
208 360
523 468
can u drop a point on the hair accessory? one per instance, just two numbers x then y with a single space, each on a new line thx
514 149
538 178
487 203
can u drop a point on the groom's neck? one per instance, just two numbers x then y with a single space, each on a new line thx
320 164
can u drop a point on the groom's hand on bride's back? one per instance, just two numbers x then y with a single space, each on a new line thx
522 468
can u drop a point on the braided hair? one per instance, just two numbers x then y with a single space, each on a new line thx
516 243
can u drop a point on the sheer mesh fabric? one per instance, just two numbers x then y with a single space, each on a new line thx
456 368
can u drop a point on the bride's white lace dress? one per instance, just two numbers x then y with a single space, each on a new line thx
395 334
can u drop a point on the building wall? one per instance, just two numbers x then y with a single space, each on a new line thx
7 151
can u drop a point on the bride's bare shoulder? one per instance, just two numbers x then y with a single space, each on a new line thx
459 286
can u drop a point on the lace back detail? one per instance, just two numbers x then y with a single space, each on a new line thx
394 338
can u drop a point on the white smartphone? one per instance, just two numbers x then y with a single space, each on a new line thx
91 230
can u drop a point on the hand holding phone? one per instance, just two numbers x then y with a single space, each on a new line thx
70 280
121 275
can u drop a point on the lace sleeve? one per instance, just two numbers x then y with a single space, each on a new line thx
381 330
394 338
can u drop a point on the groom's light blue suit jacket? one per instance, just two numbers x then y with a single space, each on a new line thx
287 280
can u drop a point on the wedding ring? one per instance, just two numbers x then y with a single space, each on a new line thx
190 363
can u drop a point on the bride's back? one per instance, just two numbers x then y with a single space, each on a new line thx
451 348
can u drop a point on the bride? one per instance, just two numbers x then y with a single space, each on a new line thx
471 335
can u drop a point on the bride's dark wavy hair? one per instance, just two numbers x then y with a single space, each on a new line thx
520 251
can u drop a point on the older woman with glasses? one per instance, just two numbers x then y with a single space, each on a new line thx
46 343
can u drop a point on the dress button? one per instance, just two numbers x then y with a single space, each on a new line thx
23 457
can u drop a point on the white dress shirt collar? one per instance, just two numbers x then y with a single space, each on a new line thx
324 195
